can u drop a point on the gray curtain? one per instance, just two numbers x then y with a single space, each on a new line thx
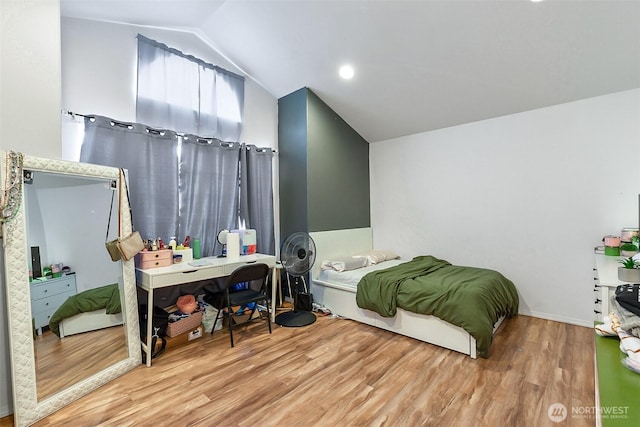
150 156
208 190
256 195
191 191
181 92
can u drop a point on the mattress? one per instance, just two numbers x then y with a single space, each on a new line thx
350 279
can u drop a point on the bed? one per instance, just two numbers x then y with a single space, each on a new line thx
339 295
87 311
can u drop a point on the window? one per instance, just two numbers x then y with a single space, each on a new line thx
183 93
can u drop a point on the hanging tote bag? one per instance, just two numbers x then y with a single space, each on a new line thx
112 245
128 246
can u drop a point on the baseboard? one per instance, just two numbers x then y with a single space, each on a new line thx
556 318
5 411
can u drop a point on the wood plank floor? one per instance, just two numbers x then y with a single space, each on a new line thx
66 361
339 372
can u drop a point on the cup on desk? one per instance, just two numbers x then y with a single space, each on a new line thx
197 250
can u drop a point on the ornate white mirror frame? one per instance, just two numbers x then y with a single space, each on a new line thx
27 408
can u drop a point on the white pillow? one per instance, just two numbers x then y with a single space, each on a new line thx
376 256
344 264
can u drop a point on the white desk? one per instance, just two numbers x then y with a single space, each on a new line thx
177 274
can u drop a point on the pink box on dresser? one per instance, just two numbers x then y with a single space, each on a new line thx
151 259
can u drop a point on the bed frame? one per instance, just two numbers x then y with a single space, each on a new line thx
89 321
341 300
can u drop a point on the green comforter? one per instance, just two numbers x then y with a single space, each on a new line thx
469 297
107 297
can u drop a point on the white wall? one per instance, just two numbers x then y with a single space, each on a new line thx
529 195
99 75
29 109
30 77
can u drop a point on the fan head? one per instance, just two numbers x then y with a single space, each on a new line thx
222 236
298 253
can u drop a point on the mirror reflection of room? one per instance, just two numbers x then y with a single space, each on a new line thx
75 289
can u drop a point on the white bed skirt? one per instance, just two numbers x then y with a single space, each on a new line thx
89 321
431 329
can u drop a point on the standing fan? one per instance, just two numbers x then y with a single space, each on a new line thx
297 255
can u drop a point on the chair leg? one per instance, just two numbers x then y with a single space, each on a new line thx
266 303
215 322
255 308
230 318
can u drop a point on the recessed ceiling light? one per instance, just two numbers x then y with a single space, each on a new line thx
346 72
536 1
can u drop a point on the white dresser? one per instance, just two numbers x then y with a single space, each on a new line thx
606 281
47 296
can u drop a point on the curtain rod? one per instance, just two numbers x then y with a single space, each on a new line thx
152 130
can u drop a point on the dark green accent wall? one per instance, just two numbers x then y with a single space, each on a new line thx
324 167
292 158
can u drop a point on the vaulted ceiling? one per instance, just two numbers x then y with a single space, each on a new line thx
419 65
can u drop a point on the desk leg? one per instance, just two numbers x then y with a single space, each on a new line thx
148 348
274 283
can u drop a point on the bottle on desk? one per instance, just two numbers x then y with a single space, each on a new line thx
196 248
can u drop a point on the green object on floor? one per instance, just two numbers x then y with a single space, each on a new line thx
619 387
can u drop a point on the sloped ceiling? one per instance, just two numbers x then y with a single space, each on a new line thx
420 65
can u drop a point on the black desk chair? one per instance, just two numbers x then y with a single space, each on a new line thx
235 298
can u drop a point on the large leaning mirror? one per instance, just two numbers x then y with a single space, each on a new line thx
72 312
